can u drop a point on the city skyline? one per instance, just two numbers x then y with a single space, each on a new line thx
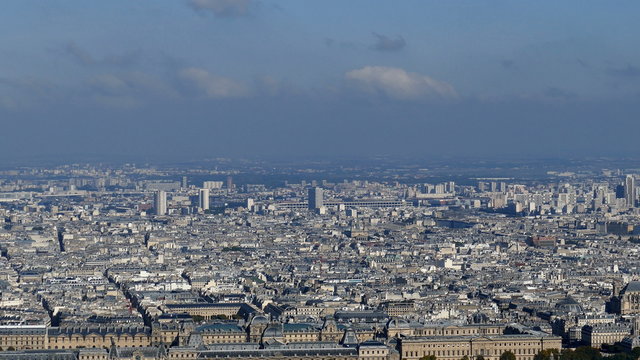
319 180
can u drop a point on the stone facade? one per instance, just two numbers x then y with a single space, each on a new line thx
525 347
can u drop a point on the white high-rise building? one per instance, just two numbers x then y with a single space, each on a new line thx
203 199
160 202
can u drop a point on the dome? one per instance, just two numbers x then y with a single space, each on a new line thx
397 323
569 304
273 331
259 319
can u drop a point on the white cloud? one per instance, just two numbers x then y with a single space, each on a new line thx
212 86
222 8
127 89
399 84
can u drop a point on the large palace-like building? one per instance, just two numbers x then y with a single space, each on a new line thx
260 337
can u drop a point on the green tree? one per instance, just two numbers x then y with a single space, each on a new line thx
548 354
466 357
585 353
429 357
197 318
508 355
479 357
620 356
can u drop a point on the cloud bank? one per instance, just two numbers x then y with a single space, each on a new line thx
210 85
399 84
222 8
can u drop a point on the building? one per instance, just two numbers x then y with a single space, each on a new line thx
525 347
630 190
597 335
542 241
628 301
203 199
160 202
211 310
212 184
36 337
316 200
399 308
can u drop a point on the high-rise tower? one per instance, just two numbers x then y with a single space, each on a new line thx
203 199
630 190
160 202
315 198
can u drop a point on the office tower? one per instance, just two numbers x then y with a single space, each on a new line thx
502 187
630 190
450 187
315 198
229 182
184 182
482 186
203 199
160 202
250 203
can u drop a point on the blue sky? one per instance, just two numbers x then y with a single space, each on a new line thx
196 78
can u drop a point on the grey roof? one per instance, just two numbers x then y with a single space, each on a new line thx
309 352
273 331
22 330
219 327
633 286
39 355
98 330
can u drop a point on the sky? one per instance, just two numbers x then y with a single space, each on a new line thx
172 80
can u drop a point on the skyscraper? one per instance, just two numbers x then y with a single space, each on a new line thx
229 182
160 202
203 199
315 198
184 182
630 190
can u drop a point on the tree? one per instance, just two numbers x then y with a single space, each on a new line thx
466 357
508 355
548 354
479 357
197 318
567 354
588 353
429 357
